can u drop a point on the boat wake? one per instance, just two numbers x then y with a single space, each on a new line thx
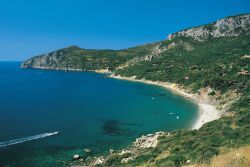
25 139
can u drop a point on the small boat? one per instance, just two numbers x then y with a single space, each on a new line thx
177 117
153 98
171 113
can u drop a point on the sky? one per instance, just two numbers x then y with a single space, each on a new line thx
29 28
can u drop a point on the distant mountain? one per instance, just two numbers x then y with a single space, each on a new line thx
75 58
211 61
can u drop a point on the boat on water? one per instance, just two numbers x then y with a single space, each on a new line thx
55 133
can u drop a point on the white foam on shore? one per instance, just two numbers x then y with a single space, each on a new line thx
25 139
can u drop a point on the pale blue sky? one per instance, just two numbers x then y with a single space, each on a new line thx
29 28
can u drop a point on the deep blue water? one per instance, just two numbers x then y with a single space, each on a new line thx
88 109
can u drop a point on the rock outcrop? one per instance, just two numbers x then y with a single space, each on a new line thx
226 27
76 157
148 141
100 160
54 60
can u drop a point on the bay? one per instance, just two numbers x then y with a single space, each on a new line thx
89 110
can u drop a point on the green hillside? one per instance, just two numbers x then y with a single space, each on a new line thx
214 56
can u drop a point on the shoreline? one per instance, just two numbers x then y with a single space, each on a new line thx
207 112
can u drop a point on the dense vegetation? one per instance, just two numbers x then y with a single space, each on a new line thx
86 59
200 145
219 63
216 63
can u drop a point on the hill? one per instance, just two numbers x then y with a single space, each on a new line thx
212 59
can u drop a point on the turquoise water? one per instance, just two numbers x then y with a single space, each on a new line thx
89 110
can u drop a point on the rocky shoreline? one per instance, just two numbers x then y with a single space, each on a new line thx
126 155
210 109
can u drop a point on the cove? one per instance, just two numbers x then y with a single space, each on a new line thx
89 110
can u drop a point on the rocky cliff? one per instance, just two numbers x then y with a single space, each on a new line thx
226 27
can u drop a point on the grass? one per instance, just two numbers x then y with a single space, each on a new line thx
233 158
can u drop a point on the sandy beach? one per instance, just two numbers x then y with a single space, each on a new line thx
207 112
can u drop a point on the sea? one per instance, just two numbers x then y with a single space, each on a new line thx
48 116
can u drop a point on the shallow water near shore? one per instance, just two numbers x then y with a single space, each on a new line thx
88 110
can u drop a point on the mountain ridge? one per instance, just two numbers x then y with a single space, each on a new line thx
193 60
199 33
215 29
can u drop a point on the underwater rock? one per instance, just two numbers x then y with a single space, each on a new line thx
114 128
111 127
